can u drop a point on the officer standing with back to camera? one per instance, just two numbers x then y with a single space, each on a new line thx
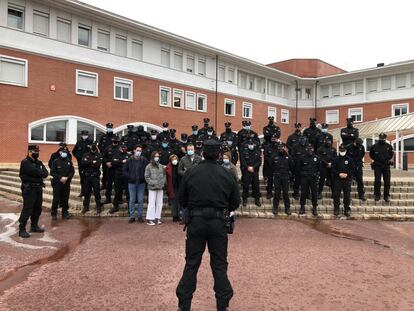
32 172
78 151
349 133
382 154
206 191
357 152
104 142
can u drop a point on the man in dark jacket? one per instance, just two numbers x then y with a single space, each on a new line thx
311 132
189 160
110 174
56 155
298 152
327 155
165 134
130 139
357 152
104 142
62 172
250 162
91 162
271 130
322 136
119 158
78 151
309 165
349 133
282 164
194 134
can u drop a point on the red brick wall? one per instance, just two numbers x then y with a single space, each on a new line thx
307 68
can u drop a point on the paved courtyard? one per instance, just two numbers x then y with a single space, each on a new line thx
107 264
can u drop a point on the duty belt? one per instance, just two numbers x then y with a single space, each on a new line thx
207 212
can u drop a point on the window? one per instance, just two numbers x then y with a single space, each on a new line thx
308 93
86 83
165 57
123 89
15 17
136 51
359 87
412 79
178 61
325 91
285 91
229 107
201 102
332 116
64 30
243 80
84 35
348 88
271 88
250 82
165 96
178 99
399 109
230 77
41 23
13 71
271 112
284 116
386 83
336 90
372 85
103 40
190 64
121 45
259 85
221 73
49 132
190 100
202 67
279 89
247 110
401 81
356 113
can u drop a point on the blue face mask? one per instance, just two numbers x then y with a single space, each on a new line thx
64 155
190 152
109 130
324 130
195 132
137 154
247 127
226 161
164 145
229 142
251 147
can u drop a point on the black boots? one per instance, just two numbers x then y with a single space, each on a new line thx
98 208
315 211
257 202
36 229
113 210
336 211
288 212
302 210
244 202
362 197
347 212
387 199
85 210
24 234
275 210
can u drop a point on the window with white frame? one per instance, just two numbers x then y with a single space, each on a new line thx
372 85
279 88
386 83
272 112
348 88
221 72
284 116
259 85
15 17
121 45
123 89
336 90
165 96
230 77
190 64
178 99
271 88
243 80
86 83
201 66
325 91
84 35
359 87
400 109
285 91
229 107
13 71
190 99
165 57
332 116
356 113
412 79
41 23
401 81
178 61
308 93
103 40
247 109
136 51
49 132
202 102
64 30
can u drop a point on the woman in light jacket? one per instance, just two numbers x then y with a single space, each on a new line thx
155 178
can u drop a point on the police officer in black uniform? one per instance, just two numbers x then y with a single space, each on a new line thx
269 151
194 134
107 162
203 131
229 138
198 147
62 172
165 151
293 139
342 170
245 134
165 132
349 133
357 152
142 136
174 142
130 139
206 191
382 154
311 132
209 135
56 155
104 142
322 136
32 172
282 164
78 151
309 165
119 158
91 162
152 145
250 162
327 155
271 130
299 150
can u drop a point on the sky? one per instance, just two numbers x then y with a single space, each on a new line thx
350 34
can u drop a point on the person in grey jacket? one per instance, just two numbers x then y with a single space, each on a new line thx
156 179
189 160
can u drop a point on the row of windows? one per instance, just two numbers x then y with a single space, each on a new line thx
258 84
181 99
183 61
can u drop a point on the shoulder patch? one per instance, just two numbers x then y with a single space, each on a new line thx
315 159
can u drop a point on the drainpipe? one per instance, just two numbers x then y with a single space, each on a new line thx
316 97
216 108
296 107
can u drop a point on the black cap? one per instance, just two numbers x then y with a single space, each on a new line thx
165 124
153 132
244 122
211 146
109 125
140 128
359 141
312 119
325 125
84 132
350 119
34 148
342 148
130 126
123 146
298 125
206 120
227 124
271 118
382 135
248 123
173 131
63 144
210 128
184 136
194 127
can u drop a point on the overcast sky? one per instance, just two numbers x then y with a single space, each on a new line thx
350 34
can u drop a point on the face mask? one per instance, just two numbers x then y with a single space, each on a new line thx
247 127
297 131
230 142
153 137
251 147
190 152
63 155
110 130
226 161
157 159
137 154
165 129
174 162
349 125
324 130
209 133
195 132
85 137
184 141
164 145
342 153
35 155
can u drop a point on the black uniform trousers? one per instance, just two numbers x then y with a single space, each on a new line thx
60 197
345 186
297 180
385 172
269 184
309 182
359 178
213 232
104 175
281 184
325 178
110 179
91 183
121 185
32 205
253 179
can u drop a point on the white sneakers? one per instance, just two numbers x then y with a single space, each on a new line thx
153 223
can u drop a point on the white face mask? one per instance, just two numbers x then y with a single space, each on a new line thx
174 162
324 130
85 137
109 130
165 129
210 133
154 137
342 153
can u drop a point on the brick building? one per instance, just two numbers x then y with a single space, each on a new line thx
66 66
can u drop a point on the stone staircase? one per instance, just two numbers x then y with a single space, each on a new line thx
400 207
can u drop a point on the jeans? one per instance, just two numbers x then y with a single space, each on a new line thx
136 192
